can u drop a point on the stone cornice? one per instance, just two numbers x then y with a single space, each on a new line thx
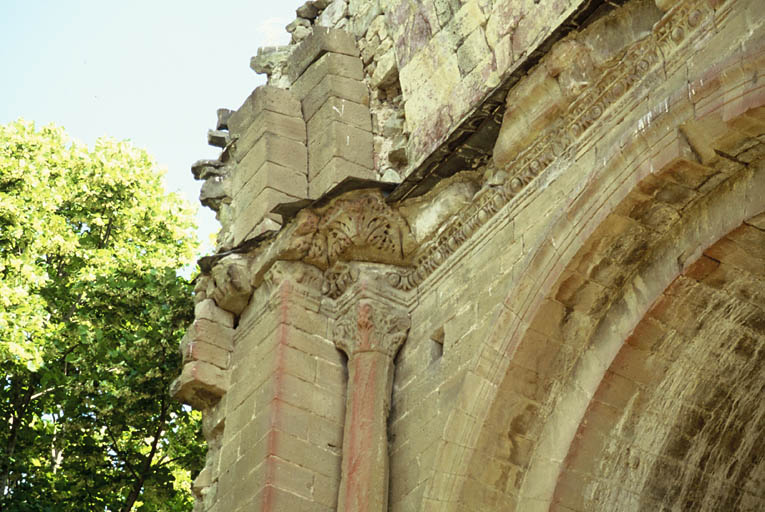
361 226
356 226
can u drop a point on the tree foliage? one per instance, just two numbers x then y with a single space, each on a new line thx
91 313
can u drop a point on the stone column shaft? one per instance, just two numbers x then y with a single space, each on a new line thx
370 334
365 440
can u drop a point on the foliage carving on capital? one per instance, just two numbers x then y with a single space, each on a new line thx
358 226
338 278
371 326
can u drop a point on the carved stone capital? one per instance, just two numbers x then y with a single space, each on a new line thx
370 332
371 326
356 226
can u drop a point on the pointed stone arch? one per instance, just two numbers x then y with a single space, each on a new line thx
607 258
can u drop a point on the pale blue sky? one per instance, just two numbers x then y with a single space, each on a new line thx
153 72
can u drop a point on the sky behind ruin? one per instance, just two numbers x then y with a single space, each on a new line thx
153 72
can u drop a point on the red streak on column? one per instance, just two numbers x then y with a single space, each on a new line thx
361 456
274 420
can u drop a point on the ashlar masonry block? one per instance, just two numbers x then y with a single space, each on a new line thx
203 351
335 103
339 140
288 127
213 332
336 64
265 97
338 86
336 170
277 401
251 217
271 148
206 350
273 176
272 172
322 40
200 385
271 158
340 109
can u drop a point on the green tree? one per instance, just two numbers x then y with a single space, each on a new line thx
91 313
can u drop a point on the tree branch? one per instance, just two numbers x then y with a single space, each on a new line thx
146 469
120 452
19 413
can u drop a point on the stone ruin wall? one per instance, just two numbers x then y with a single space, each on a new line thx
489 181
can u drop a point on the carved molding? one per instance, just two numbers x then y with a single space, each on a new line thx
371 326
338 278
616 80
361 226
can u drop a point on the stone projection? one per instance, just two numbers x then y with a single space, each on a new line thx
489 255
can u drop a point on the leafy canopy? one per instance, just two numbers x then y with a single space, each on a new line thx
91 313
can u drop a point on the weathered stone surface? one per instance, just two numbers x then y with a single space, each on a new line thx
337 86
298 23
217 138
270 147
321 41
203 169
335 171
230 286
200 384
270 58
343 140
386 71
250 211
370 332
308 11
208 331
265 97
328 64
363 13
292 128
222 115
206 309
341 110
274 176
205 352
215 191
580 263
331 16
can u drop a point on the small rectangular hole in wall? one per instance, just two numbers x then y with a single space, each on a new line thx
437 344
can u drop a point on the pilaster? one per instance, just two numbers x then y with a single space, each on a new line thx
328 76
371 326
